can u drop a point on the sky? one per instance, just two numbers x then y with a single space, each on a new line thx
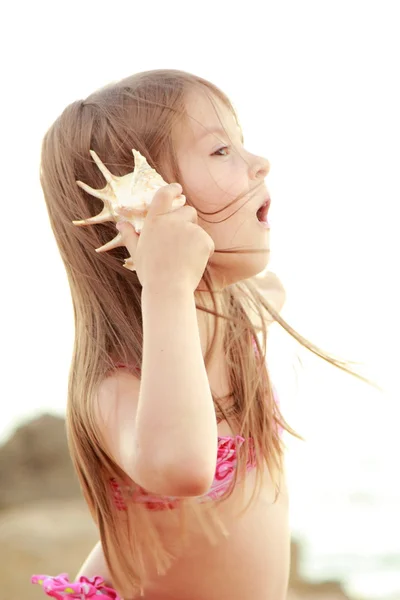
316 88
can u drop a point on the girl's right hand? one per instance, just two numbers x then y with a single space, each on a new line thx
172 250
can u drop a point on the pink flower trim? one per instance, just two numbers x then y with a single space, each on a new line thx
61 587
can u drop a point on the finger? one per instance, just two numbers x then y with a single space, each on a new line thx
211 247
128 236
189 213
163 199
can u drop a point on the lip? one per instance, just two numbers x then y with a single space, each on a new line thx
265 206
266 201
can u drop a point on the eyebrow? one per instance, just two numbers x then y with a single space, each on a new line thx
219 130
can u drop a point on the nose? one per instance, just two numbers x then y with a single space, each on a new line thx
259 167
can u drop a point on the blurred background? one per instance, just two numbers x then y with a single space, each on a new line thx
316 86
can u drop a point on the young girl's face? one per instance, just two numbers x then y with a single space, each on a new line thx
215 170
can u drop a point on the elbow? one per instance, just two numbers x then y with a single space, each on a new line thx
190 480
184 479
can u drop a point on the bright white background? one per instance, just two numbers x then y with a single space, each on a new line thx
316 85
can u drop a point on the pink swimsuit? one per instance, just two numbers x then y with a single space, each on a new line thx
60 587
224 473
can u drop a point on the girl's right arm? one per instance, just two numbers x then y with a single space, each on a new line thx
162 430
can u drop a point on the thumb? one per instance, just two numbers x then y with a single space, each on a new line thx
163 199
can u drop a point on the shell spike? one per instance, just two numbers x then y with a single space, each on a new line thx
129 264
100 194
109 177
102 217
114 243
126 197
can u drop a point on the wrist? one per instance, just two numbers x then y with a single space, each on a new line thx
176 292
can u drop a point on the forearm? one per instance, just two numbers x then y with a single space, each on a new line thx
176 430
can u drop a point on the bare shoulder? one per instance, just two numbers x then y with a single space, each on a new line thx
113 390
115 412
272 289
95 565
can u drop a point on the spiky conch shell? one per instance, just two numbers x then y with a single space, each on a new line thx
126 198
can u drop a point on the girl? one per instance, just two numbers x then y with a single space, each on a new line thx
173 425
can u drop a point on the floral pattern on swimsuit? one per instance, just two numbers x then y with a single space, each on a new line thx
61 587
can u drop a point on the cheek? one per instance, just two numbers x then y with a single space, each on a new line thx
191 175
227 233
212 203
231 180
227 220
213 187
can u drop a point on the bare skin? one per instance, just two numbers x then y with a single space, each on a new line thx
253 562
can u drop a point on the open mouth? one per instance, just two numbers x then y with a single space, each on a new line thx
262 213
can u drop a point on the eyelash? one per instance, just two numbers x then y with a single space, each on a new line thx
219 150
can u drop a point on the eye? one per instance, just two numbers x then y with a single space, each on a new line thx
224 149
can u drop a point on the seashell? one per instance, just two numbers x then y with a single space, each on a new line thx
126 198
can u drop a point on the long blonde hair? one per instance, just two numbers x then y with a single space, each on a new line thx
141 112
